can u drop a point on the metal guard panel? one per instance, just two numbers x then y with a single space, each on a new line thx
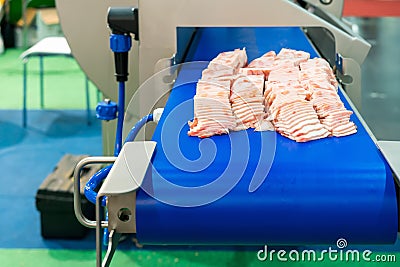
314 193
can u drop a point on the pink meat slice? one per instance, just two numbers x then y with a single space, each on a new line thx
246 99
284 75
213 113
317 76
229 60
297 56
289 92
255 71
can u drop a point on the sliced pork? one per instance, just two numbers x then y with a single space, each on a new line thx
247 100
212 110
318 78
296 56
228 62
287 92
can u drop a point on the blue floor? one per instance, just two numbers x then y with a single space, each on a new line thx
27 156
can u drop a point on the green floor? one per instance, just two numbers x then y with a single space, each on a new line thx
83 258
66 81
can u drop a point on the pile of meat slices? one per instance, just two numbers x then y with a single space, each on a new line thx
287 92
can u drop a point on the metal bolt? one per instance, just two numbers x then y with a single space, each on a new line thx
326 2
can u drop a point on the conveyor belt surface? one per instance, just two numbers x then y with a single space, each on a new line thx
313 193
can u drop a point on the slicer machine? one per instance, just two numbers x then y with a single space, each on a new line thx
245 188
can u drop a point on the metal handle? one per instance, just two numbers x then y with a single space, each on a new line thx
77 185
94 183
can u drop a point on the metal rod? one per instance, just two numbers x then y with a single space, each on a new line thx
24 113
99 253
24 27
87 99
121 110
113 241
41 81
77 194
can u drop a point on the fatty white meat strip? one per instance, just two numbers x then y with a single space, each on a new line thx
255 71
204 86
266 61
212 109
300 99
223 71
213 113
261 66
247 101
264 125
232 60
286 97
317 76
313 135
288 74
272 89
297 56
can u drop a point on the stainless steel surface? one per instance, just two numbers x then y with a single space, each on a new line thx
335 7
352 70
77 195
157 32
380 76
126 176
121 212
391 152
129 169
349 72
120 187
358 114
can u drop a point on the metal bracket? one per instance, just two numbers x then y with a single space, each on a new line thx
335 7
126 176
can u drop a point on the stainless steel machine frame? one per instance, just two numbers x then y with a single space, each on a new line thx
158 21
157 33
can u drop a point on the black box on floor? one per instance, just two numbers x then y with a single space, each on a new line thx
55 200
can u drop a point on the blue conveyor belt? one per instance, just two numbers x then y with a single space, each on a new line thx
309 193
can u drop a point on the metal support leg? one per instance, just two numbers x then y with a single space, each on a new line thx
99 253
113 241
24 113
41 82
87 99
25 26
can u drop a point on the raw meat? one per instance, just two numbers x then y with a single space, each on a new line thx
247 100
287 92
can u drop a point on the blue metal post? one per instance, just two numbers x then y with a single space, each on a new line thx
121 110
